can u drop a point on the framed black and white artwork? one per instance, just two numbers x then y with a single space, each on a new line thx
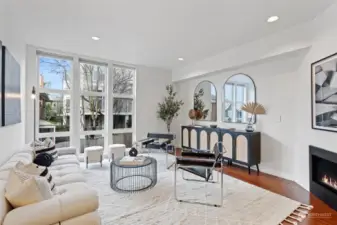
324 94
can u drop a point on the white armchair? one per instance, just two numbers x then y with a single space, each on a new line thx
116 151
93 154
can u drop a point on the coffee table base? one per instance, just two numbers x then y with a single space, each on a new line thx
133 178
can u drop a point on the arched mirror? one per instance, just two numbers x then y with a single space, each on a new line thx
205 100
238 90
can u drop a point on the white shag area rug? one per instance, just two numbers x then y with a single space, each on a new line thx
244 204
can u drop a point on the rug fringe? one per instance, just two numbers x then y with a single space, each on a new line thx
298 215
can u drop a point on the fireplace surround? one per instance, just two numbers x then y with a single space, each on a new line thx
323 175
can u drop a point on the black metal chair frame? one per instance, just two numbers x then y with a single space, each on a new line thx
217 163
150 144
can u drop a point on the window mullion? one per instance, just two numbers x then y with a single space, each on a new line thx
75 106
234 102
109 105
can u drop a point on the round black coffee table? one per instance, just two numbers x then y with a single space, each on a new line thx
130 178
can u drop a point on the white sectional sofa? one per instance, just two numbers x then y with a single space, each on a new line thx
74 202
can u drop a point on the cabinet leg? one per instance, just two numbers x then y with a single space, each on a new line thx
248 169
258 170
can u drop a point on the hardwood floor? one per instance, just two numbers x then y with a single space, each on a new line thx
322 214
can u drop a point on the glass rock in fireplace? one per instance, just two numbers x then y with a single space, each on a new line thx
326 173
329 181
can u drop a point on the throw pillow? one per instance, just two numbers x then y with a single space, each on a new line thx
23 189
47 146
51 150
43 159
36 170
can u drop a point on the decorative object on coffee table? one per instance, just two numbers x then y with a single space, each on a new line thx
126 176
254 109
133 152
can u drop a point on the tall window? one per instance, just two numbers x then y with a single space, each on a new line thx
55 74
235 97
92 107
95 97
123 110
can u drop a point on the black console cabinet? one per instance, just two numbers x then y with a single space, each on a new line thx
242 147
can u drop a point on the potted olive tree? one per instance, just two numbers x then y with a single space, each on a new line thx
169 109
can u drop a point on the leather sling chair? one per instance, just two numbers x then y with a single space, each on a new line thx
192 162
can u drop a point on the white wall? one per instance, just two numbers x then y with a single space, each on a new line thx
270 77
324 44
2 20
151 90
283 86
11 137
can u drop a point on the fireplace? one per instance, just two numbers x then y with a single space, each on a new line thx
323 175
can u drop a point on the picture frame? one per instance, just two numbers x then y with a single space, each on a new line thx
324 94
10 89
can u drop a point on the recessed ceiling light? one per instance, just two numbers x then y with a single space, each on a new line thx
272 19
181 59
95 38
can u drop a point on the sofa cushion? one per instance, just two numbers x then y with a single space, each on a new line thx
69 178
8 166
92 218
66 159
24 157
61 167
64 171
4 175
5 207
27 155
55 210
23 189
72 187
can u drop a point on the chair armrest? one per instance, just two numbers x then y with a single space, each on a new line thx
66 151
52 211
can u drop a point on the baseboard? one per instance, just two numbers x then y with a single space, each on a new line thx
276 173
268 170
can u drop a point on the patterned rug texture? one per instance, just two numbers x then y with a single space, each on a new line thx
243 203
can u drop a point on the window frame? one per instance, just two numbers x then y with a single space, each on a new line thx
55 134
94 94
125 96
74 133
234 101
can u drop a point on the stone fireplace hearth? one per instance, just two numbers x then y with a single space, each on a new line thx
323 175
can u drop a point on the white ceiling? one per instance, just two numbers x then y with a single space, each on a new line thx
153 32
